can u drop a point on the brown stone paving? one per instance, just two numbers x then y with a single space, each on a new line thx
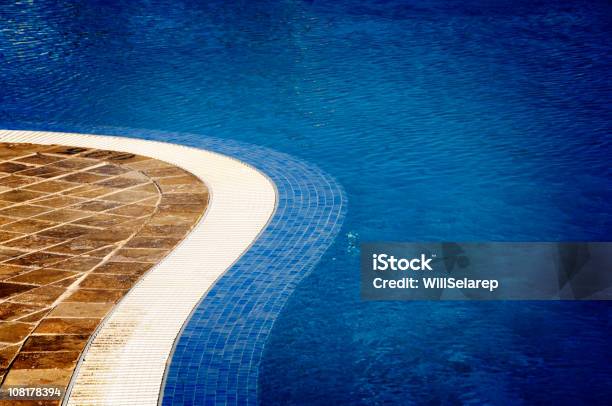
78 228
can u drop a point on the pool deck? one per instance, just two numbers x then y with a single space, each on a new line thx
79 228
125 358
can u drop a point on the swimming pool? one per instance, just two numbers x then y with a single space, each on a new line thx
485 121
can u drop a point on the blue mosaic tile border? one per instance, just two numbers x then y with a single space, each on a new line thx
217 356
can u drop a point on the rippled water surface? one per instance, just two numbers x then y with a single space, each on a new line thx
473 120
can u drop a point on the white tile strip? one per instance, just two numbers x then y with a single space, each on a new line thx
125 361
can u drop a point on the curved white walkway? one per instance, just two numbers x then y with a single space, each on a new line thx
125 362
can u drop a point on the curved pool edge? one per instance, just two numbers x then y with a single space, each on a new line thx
217 356
126 359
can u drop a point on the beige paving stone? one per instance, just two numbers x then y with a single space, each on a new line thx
67 282
128 268
44 172
178 180
62 215
51 186
6 220
135 223
45 359
12 311
176 209
149 164
133 210
27 226
77 264
8 271
182 188
40 159
102 220
82 177
51 343
44 295
9 253
112 235
92 191
14 331
164 230
140 255
13 150
12 167
115 157
102 252
57 202
19 196
176 216
11 289
7 354
128 196
24 211
126 158
5 236
33 242
190 199
109 170
67 326
152 201
77 246
168 219
66 150
152 242
74 164
96 295
38 259
119 182
97 205
166 172
15 181
103 281
35 317
79 189
86 310
42 276
66 231
150 188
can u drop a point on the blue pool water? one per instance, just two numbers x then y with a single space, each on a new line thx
472 120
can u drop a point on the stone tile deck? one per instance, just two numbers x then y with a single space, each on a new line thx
78 228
